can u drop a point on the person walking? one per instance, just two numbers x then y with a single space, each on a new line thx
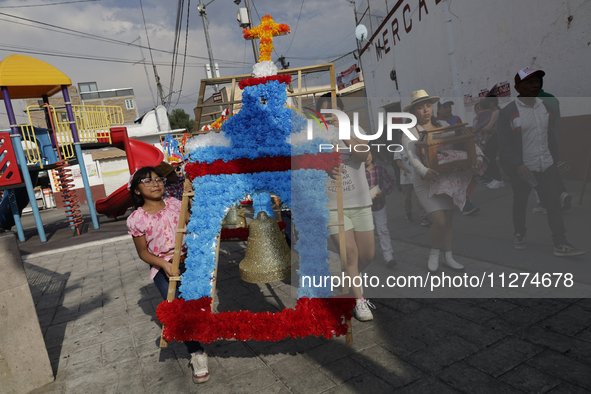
380 185
451 187
444 113
406 179
529 155
359 227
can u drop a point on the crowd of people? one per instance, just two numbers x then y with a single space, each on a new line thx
522 137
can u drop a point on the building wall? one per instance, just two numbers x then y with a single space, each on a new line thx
115 173
129 115
97 192
492 40
38 116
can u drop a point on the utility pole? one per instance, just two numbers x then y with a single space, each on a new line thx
254 45
160 91
201 8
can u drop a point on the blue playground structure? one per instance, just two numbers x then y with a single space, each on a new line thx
23 77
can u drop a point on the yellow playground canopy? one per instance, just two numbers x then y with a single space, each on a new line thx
27 77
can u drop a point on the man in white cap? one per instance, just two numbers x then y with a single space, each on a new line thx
529 154
444 112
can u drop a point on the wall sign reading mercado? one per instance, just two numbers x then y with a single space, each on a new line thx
399 25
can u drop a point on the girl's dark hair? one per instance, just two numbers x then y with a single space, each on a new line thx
140 174
435 122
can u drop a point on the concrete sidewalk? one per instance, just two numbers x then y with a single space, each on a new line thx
96 308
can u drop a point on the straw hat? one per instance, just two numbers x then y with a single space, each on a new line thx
167 171
419 96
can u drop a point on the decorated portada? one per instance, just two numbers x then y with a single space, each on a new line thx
263 148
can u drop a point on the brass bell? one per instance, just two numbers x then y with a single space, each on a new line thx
234 218
268 258
241 217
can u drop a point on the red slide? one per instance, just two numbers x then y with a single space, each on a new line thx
139 154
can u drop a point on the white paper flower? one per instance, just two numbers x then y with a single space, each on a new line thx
264 69
210 139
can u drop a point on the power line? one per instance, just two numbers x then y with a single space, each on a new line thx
92 36
175 46
325 44
87 57
147 74
185 56
158 84
296 28
46 4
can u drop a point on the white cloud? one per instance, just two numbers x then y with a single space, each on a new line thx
323 24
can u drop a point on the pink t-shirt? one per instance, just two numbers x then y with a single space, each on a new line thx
159 228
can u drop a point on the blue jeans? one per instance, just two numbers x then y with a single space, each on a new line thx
161 282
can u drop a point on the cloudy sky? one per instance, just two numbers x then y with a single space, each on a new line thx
87 40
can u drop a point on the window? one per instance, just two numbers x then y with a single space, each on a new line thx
89 96
87 87
125 92
129 104
64 116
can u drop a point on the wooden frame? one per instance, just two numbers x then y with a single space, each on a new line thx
188 187
427 149
299 72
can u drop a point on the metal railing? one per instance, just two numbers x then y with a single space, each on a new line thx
93 123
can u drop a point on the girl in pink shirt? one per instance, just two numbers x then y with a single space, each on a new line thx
153 225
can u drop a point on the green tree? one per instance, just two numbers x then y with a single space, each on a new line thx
179 119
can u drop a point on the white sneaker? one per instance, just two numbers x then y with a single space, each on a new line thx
539 210
362 311
199 364
433 263
451 263
494 184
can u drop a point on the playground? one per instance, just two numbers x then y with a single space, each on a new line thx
28 150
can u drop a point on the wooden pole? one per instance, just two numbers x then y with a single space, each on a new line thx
343 250
300 91
215 271
199 109
333 90
232 94
176 260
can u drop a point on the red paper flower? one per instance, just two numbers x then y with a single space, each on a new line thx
194 321
285 78
320 161
242 233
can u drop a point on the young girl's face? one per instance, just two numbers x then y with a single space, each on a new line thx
423 112
151 188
